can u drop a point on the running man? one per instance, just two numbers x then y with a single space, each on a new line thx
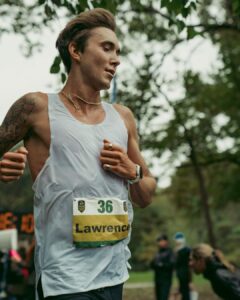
85 160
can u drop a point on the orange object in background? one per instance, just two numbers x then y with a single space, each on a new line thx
23 222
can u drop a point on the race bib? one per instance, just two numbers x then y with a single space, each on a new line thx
99 222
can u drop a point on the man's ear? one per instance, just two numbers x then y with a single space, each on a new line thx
74 51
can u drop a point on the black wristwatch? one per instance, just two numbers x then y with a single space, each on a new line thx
139 175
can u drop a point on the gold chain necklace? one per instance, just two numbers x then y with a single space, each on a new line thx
77 106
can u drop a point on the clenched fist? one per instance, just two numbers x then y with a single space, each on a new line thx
13 164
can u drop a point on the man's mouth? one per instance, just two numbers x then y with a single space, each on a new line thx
110 72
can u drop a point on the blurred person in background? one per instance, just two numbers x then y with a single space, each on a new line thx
183 272
223 276
163 265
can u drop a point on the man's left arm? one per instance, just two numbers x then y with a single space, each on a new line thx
142 191
114 159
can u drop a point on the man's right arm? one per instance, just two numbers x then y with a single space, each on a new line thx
14 128
13 164
17 123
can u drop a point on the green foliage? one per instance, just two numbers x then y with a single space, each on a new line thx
63 77
236 7
146 276
144 232
224 204
148 224
55 67
176 7
191 33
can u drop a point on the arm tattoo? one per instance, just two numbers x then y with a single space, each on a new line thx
16 123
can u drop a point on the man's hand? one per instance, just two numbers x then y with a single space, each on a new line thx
13 164
116 160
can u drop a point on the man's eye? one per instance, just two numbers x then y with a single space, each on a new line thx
107 48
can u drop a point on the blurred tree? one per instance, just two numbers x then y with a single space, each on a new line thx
147 227
194 132
224 203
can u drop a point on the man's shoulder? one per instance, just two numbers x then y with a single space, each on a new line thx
123 110
38 99
128 118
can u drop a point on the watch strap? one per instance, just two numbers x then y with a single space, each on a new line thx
139 175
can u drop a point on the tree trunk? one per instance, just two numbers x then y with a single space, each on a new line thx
203 196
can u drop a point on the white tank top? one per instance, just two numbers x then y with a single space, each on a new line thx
73 170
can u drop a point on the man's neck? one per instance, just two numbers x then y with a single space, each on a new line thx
75 86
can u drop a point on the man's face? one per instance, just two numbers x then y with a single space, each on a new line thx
163 244
100 58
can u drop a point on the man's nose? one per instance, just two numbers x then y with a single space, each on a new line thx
115 60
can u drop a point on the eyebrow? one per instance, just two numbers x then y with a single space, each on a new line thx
112 46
